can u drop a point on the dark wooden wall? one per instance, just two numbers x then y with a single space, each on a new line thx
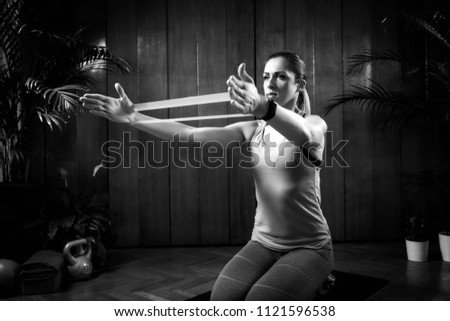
189 47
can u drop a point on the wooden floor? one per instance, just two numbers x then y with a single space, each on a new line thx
182 273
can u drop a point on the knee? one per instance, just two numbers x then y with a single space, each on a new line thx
226 289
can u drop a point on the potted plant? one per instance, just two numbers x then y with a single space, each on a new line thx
420 207
432 199
66 216
444 245
424 95
417 240
41 77
442 213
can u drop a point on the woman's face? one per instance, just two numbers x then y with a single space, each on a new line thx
280 83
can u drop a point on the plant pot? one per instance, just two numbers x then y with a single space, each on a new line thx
417 250
444 244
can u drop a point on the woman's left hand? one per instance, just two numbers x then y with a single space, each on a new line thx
244 95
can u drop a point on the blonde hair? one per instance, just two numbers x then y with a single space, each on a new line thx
303 104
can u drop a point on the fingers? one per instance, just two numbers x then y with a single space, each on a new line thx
232 94
120 90
237 85
92 104
99 113
238 103
104 98
234 84
95 96
240 85
91 101
238 95
238 107
94 107
242 104
242 73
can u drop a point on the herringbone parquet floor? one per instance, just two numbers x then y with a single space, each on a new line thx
180 273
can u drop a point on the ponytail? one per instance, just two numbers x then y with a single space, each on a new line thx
306 103
303 105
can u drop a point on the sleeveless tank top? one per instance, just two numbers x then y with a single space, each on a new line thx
288 214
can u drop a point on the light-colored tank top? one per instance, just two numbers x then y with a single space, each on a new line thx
288 213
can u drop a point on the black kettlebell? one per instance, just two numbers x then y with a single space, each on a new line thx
77 255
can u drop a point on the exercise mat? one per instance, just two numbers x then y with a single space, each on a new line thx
41 273
347 287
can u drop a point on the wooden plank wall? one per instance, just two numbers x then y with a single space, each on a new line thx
91 131
240 48
386 141
359 220
328 77
121 36
190 47
154 188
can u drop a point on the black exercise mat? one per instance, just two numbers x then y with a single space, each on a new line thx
347 287
353 287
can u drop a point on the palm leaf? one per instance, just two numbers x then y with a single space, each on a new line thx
55 118
58 99
66 56
425 83
100 57
10 21
357 63
41 76
435 24
376 99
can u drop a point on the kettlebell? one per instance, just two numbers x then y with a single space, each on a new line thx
77 255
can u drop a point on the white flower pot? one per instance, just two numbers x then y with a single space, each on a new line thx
444 244
417 251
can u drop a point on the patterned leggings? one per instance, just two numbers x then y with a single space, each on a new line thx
260 274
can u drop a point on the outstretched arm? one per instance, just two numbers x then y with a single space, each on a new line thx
246 99
122 110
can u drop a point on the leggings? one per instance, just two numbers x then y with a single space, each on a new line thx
257 273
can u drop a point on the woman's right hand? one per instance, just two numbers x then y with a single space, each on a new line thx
244 96
120 110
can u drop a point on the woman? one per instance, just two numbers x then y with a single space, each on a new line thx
290 253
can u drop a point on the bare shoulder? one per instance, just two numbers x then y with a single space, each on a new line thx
317 124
